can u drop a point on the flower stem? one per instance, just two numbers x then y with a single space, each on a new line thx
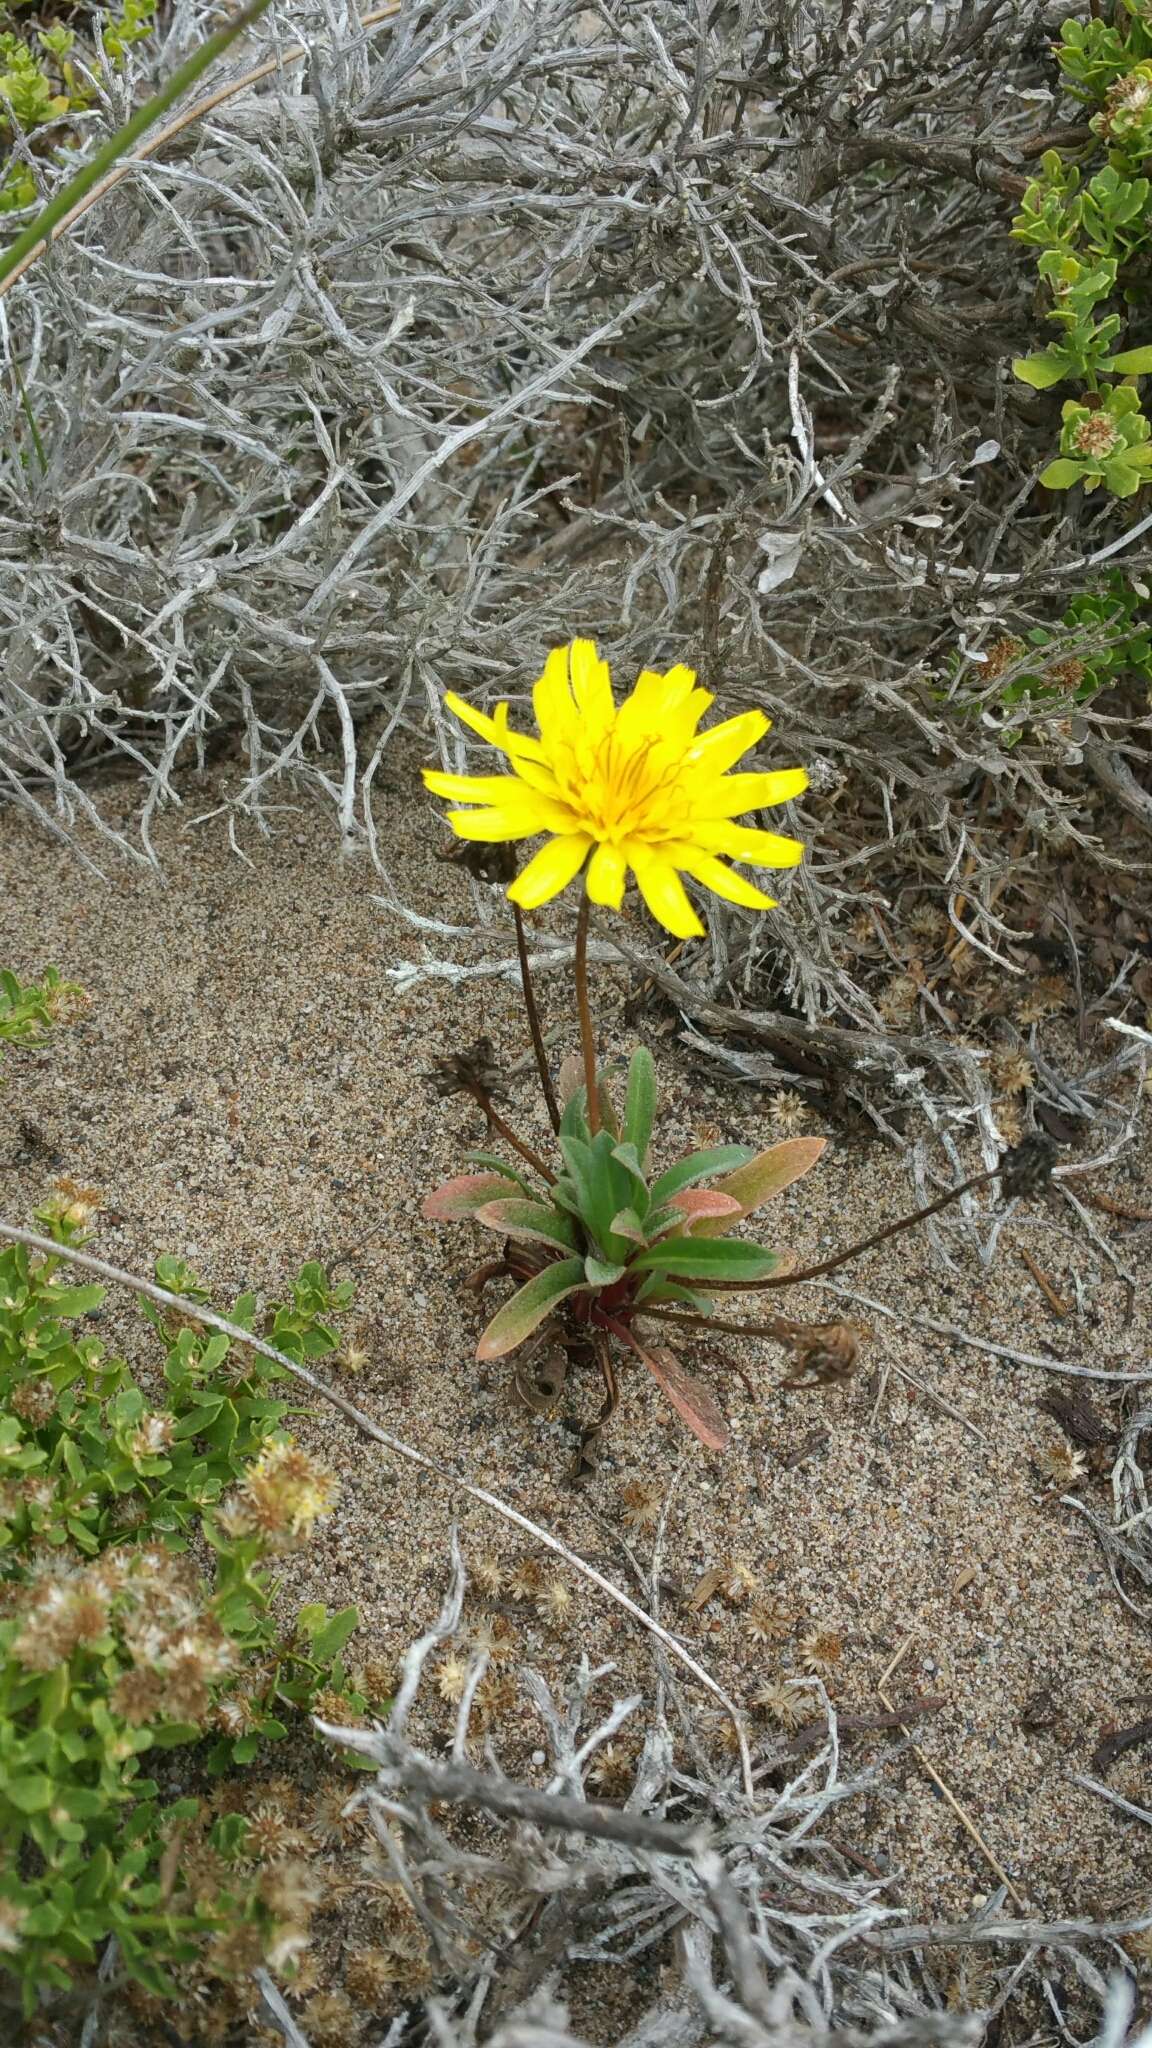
866 1244
533 1016
587 1042
497 1123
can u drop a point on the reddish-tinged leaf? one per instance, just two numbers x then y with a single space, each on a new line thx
529 1307
535 1221
699 1205
456 1199
765 1176
691 1400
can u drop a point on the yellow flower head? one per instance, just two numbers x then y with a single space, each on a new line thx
634 785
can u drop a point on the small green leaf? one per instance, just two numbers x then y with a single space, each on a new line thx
626 1223
640 1106
1041 372
698 1166
1131 362
73 1301
1061 474
497 1165
709 1258
330 1640
529 1307
601 1274
29 1794
534 1221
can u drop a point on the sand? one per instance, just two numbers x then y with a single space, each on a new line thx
247 1089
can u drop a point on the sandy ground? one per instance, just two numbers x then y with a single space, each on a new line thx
247 1089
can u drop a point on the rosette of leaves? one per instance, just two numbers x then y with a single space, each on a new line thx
607 1239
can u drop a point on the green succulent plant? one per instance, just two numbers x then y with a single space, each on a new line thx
606 1239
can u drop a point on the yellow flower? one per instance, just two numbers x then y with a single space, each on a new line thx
634 785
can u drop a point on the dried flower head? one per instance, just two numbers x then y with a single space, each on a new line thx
1027 1168
769 1621
1001 655
291 1890
787 1704
270 1834
788 1110
642 1500
1095 435
527 1580
473 1071
739 1582
823 1355
1012 1072
33 1400
554 1602
283 1494
451 1679
612 1771
494 1639
1009 1123
1061 1465
821 1650
636 786
330 2020
488 1574
497 1697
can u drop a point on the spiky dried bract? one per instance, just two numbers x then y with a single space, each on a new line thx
1012 1073
785 1703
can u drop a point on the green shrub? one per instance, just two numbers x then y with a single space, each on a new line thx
137 1524
1092 236
39 83
27 1014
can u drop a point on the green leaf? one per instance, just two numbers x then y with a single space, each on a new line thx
31 1794
1041 372
535 1221
529 1307
497 1165
626 1223
1131 362
330 1640
1121 478
709 1258
640 1106
601 1274
73 1301
1061 474
763 1177
698 1166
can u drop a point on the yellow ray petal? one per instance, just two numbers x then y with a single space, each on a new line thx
591 687
473 789
512 821
496 731
663 892
724 882
733 794
742 842
550 870
552 698
722 745
607 870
